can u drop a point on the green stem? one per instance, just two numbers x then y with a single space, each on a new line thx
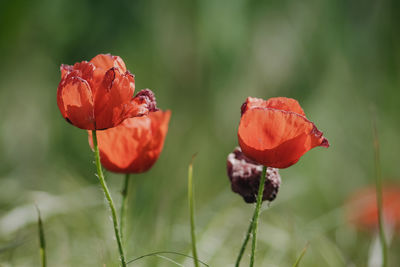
166 252
109 199
42 241
378 181
191 210
256 215
303 252
124 202
246 240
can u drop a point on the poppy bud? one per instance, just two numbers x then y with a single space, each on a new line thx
97 95
245 175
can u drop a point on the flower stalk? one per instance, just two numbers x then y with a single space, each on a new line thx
124 201
378 181
245 241
256 215
42 241
110 202
191 211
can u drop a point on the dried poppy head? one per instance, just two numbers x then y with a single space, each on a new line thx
134 145
245 175
97 95
276 132
362 210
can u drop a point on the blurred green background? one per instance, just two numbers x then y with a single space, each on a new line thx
202 59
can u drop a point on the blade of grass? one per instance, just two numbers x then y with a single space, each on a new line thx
42 241
167 252
303 252
124 201
191 211
170 260
378 181
256 215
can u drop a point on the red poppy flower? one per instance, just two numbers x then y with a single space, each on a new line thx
97 95
244 175
135 144
276 132
362 210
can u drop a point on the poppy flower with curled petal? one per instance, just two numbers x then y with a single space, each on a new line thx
244 175
97 95
362 210
135 144
276 132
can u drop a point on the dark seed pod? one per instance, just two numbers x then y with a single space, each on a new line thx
245 175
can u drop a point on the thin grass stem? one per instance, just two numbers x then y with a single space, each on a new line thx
303 252
191 211
109 199
42 240
166 252
256 215
124 202
170 260
378 181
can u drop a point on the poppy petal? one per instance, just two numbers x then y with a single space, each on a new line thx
113 98
277 138
135 145
281 103
75 101
150 153
82 69
108 61
143 103
65 70
286 104
112 88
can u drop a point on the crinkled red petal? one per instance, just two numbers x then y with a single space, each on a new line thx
113 99
108 61
281 103
277 138
112 89
75 101
135 145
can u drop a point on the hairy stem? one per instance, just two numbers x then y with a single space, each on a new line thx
109 199
246 240
256 215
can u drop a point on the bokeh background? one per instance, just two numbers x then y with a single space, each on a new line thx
202 59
